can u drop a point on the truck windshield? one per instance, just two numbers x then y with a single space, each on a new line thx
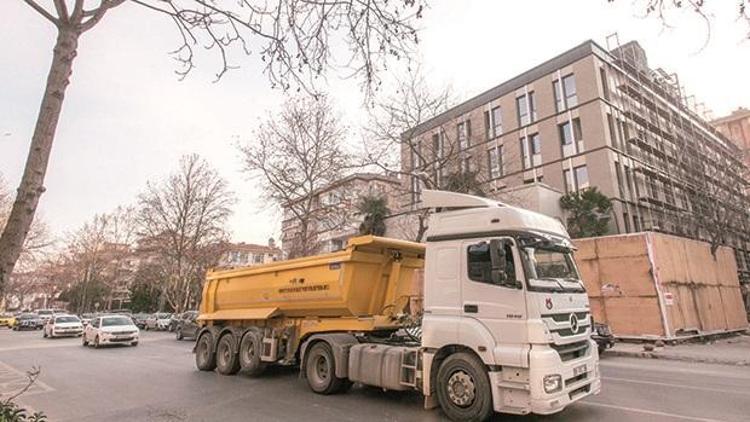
550 267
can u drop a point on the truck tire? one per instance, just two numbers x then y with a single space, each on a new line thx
227 359
320 370
463 388
250 349
205 355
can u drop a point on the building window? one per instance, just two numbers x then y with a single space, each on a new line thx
416 162
497 122
531 151
463 133
416 190
495 162
466 164
576 180
487 125
570 131
626 220
612 131
258 258
526 107
605 83
565 93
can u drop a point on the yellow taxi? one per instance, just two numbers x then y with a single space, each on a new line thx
7 320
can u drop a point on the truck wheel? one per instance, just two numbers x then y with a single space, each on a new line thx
320 369
205 356
463 388
227 361
250 348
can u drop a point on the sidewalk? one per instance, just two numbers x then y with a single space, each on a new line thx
728 351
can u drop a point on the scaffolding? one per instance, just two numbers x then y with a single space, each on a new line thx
683 169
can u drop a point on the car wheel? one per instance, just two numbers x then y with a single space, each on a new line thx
44 334
135 343
84 343
96 342
179 334
320 369
227 360
463 388
250 348
205 355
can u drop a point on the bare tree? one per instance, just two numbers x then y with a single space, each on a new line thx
391 144
296 39
668 12
295 154
182 223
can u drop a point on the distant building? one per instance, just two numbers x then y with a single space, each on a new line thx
736 127
336 208
248 254
604 118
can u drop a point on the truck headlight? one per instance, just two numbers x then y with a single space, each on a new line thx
552 383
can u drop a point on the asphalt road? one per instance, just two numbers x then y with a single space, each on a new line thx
157 382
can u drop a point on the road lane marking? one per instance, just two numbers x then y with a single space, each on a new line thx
730 373
648 412
77 343
667 384
12 381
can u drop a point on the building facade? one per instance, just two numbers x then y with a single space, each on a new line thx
335 212
736 127
247 254
603 118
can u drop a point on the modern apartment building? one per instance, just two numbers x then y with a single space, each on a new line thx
597 117
736 127
335 213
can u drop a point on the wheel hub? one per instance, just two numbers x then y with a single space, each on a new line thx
461 389
321 367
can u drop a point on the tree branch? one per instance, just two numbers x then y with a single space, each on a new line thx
42 11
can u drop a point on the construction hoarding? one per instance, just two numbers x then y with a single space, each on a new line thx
655 285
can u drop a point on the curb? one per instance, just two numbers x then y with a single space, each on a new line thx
658 355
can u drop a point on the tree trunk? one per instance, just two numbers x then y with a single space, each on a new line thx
32 182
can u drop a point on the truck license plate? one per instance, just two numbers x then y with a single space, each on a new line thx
579 370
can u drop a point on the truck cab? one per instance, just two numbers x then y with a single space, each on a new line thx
501 286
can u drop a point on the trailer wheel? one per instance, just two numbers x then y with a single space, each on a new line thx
463 388
320 369
250 349
227 361
205 356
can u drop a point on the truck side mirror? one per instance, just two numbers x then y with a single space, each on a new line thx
497 258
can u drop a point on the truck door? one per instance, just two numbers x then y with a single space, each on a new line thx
499 305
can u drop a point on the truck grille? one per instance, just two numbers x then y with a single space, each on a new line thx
566 330
571 351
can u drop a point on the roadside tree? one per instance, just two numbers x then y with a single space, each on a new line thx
297 40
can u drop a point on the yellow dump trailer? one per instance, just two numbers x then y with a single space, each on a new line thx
273 308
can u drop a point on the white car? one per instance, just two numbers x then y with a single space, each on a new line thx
45 314
110 329
159 321
63 325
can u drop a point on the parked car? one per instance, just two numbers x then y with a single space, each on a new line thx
158 321
187 326
63 325
140 320
110 329
86 318
176 318
7 320
603 337
28 322
45 314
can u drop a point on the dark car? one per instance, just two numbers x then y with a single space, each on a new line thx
140 319
28 322
603 337
187 326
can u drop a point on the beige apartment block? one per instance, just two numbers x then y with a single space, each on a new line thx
597 117
736 127
336 218
248 254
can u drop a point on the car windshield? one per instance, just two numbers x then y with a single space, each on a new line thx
27 316
88 316
65 319
551 266
113 321
45 312
163 316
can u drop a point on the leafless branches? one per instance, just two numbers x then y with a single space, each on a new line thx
293 155
182 224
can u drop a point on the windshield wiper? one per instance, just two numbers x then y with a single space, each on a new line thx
562 288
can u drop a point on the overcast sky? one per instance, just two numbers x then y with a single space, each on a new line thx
127 119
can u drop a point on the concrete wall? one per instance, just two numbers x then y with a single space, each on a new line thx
651 284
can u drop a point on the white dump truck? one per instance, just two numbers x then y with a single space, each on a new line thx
505 323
